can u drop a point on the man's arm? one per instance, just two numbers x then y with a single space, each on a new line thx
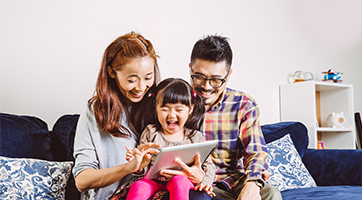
255 152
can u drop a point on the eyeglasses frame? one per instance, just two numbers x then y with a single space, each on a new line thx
209 79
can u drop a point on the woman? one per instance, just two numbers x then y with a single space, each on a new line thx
128 71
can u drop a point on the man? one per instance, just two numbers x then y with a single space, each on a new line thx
232 117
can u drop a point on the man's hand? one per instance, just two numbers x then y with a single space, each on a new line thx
194 173
250 191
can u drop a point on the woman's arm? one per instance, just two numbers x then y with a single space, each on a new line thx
99 178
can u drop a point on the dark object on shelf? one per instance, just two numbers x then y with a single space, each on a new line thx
357 118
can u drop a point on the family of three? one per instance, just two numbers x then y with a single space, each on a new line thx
132 114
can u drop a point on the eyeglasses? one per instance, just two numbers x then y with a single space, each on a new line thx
214 82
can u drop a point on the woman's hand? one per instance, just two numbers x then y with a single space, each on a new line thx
140 157
194 173
129 155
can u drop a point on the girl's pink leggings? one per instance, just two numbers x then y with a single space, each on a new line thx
178 187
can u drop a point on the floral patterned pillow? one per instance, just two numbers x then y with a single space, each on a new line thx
25 178
287 170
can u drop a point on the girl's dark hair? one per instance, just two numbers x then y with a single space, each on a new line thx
108 102
175 90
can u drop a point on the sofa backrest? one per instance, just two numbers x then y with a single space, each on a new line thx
20 134
297 131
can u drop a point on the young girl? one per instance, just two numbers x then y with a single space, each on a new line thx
178 117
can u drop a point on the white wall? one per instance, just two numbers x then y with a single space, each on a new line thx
50 51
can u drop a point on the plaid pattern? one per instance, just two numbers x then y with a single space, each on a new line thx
242 152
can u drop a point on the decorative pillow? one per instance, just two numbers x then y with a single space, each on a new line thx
287 170
24 178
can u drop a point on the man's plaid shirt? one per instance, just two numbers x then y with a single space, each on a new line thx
234 121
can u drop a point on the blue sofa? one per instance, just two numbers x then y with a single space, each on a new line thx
338 173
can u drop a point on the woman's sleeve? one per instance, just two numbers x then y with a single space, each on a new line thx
84 149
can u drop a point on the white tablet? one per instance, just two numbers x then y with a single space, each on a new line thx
166 158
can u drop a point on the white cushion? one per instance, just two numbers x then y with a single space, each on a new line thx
287 170
24 178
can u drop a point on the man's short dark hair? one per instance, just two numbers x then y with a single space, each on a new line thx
212 48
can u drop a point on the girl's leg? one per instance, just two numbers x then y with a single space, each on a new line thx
179 187
143 189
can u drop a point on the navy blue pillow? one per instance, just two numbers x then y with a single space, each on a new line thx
24 137
298 133
62 135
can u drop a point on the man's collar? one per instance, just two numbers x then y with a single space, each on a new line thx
220 99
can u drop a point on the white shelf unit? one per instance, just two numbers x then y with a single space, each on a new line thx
311 102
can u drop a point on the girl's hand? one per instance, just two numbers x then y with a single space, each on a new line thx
206 188
194 173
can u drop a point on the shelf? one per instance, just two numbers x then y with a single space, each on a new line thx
311 102
329 129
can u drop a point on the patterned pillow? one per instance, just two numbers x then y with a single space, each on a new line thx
287 170
25 178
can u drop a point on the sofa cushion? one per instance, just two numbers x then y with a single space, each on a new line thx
20 134
323 193
298 132
287 170
24 178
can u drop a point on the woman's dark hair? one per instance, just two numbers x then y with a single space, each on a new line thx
175 90
213 48
108 102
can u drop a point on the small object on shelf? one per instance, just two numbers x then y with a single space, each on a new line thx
336 120
300 76
308 76
321 145
335 76
357 118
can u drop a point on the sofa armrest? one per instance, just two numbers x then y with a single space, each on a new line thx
334 167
